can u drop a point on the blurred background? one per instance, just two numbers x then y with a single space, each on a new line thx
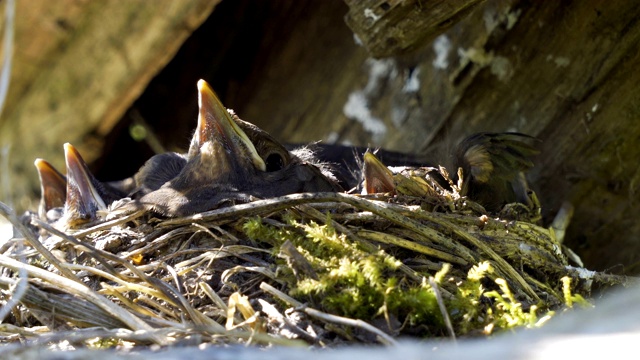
118 80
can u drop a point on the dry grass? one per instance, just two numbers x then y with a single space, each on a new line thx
322 269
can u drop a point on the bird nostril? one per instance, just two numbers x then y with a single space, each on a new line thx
274 162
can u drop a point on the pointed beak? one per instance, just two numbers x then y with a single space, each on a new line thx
377 177
215 124
53 187
83 200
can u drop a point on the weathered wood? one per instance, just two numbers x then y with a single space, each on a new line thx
396 27
78 66
565 72
299 91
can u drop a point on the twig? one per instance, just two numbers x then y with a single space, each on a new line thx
83 335
26 332
214 297
80 290
109 224
387 211
31 239
172 294
99 255
483 247
410 245
382 337
273 313
48 300
20 288
157 242
443 308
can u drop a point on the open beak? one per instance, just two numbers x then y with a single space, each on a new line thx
53 187
215 124
223 166
83 200
377 177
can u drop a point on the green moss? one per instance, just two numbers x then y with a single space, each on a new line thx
503 312
416 304
257 231
569 297
466 305
507 312
351 282
360 284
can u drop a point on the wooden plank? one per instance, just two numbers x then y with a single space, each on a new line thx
572 82
397 27
79 65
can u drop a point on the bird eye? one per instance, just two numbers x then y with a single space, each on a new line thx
274 162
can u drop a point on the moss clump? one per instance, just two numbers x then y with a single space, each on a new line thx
467 306
569 297
477 308
350 281
507 312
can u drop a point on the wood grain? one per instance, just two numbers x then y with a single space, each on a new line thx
397 27
78 66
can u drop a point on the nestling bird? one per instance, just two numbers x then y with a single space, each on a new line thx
377 177
231 160
163 167
85 194
345 162
156 172
53 189
492 164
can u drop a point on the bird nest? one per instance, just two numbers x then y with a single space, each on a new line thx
322 268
